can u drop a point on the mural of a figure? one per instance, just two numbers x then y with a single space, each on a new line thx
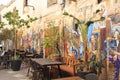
115 59
117 62
93 46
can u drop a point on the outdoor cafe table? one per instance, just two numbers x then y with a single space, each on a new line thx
47 62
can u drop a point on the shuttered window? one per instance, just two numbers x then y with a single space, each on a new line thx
51 2
25 2
99 1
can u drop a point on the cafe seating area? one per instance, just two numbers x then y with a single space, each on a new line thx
39 68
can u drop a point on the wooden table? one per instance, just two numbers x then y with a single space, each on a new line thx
70 78
47 62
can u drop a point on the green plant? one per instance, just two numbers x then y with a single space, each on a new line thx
6 34
95 66
48 42
15 21
52 55
16 58
2 24
52 39
80 66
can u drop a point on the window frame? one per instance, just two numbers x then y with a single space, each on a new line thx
99 1
51 2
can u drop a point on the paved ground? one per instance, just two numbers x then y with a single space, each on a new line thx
8 74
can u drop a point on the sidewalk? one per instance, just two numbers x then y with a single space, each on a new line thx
8 74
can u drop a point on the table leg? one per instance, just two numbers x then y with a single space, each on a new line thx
46 73
60 75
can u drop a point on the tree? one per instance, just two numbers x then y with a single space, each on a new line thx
15 21
2 24
5 35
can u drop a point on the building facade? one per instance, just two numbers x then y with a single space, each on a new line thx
51 11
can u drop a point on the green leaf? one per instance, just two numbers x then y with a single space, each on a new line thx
89 22
65 13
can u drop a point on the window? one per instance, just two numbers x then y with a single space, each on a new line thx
116 1
51 2
26 3
99 1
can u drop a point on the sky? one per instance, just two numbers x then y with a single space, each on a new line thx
4 1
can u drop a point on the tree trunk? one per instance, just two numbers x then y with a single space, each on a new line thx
15 44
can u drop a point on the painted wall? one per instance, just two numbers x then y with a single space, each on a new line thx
82 9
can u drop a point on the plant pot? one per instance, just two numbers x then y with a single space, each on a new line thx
82 74
15 65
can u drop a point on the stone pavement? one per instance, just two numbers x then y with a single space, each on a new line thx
8 74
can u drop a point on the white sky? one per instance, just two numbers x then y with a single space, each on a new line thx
4 1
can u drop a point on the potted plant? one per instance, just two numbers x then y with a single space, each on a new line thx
16 63
51 42
95 66
54 56
80 65
15 21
